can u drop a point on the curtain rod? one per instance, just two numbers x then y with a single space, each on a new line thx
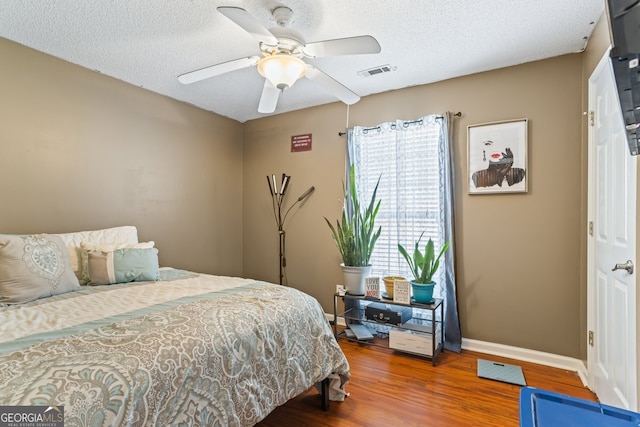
458 114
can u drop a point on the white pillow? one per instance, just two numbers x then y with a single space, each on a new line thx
124 234
85 247
33 267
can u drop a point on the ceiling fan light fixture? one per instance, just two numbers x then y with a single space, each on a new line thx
282 71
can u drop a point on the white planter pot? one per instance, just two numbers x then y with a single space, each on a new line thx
354 278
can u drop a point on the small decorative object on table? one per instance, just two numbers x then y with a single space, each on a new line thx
372 287
389 282
402 292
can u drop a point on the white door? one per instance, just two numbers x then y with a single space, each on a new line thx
612 220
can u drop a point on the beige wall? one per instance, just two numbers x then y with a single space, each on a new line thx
518 256
79 150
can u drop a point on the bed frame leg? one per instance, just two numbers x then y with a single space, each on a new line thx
325 394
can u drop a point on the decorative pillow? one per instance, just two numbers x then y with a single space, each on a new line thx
33 267
123 265
85 247
124 234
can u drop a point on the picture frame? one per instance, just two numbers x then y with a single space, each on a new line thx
402 292
372 287
497 157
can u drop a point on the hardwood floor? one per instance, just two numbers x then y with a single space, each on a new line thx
398 390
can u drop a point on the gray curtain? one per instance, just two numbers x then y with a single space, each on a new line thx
453 337
402 143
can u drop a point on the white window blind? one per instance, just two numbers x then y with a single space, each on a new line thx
405 156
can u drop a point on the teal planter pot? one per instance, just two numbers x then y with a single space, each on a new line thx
423 292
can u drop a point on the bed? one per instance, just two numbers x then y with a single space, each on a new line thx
180 349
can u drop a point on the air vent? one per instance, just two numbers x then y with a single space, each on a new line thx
376 70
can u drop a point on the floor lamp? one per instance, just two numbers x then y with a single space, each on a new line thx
277 197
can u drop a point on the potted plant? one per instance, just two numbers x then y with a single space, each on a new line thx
355 235
389 285
423 266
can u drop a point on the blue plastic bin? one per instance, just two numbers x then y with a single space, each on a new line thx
541 408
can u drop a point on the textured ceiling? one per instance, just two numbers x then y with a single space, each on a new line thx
148 43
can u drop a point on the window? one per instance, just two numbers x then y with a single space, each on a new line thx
414 162
407 159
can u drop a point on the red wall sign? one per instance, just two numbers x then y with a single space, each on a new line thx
301 143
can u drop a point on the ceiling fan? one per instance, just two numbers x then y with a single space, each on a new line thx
281 62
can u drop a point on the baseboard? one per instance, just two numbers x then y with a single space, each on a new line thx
527 355
341 321
517 353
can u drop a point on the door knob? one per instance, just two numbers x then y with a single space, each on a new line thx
626 266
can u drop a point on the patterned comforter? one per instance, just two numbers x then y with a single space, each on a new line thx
191 349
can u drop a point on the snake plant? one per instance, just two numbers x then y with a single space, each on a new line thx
423 265
354 234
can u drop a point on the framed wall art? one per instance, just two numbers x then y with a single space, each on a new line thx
497 157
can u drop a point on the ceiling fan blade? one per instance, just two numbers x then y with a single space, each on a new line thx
216 70
331 85
269 98
247 22
346 46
